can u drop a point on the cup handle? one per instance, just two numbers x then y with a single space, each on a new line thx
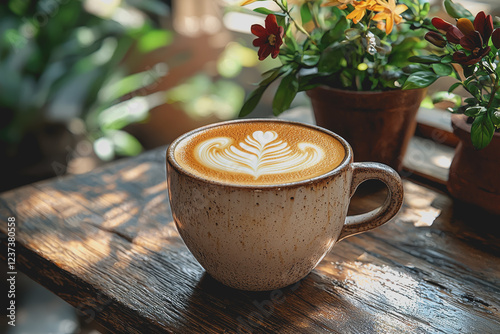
363 171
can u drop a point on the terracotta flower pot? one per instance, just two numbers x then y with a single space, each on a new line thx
378 125
474 175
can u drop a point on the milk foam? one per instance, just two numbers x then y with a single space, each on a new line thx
261 153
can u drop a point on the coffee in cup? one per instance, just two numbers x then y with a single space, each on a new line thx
248 153
260 202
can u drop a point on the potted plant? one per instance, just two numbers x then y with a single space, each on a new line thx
351 58
472 46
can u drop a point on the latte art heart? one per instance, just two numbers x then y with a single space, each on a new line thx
261 153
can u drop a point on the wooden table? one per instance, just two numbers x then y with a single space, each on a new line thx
105 242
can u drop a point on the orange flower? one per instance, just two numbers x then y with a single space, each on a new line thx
342 4
246 2
390 13
360 8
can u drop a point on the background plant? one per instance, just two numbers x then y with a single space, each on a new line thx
66 59
354 45
468 51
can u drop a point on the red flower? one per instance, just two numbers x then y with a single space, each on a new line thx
453 34
466 60
473 37
269 39
436 39
484 25
495 38
441 24
473 40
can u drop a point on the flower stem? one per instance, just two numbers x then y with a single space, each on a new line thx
299 27
495 85
493 93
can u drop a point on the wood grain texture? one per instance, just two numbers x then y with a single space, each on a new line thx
105 242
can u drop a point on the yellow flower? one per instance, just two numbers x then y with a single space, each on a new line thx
342 4
391 13
360 8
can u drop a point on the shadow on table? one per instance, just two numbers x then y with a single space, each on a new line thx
475 226
306 306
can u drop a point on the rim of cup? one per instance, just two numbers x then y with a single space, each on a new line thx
344 164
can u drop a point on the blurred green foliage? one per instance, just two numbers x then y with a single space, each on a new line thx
201 97
63 59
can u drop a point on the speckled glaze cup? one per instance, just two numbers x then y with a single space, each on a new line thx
265 237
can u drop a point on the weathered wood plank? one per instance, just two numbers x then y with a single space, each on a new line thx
106 243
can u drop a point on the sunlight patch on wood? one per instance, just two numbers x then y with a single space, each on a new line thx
162 186
134 173
156 239
398 288
418 207
112 198
78 254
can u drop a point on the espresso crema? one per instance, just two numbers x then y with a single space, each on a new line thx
259 153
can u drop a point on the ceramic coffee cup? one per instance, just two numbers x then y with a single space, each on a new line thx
265 237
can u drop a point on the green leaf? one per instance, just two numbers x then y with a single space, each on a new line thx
311 81
481 73
271 70
125 144
154 39
347 78
19 7
425 9
336 33
457 11
352 33
447 59
255 96
305 13
471 101
290 39
467 81
412 68
310 60
468 70
266 11
495 118
454 86
474 88
121 114
431 59
485 81
274 75
482 131
286 93
474 111
328 61
114 90
497 70
281 20
420 79
252 101
442 70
